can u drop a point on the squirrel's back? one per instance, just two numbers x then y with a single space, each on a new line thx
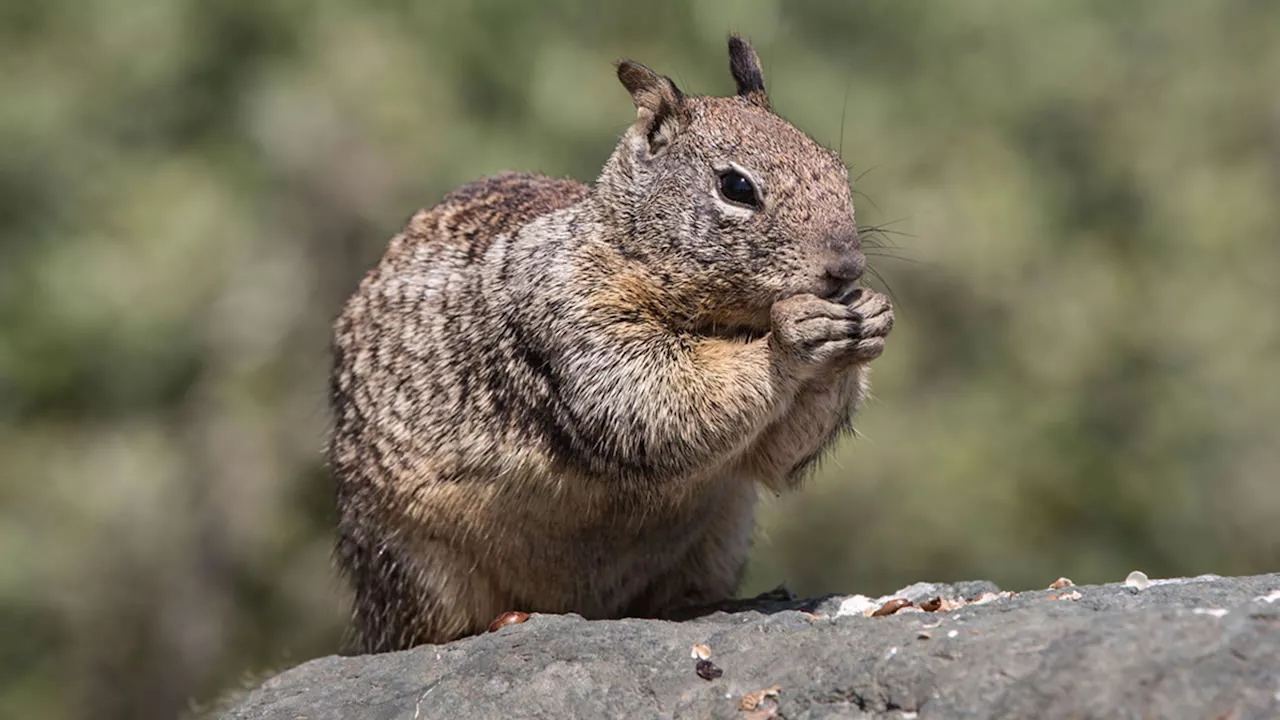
469 218
419 342
420 373
428 312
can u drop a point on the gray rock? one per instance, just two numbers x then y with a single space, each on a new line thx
1197 648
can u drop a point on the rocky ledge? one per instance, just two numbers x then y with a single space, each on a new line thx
1205 647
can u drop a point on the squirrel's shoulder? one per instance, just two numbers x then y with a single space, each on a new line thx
477 212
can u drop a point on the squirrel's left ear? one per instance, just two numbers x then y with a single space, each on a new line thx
745 66
659 103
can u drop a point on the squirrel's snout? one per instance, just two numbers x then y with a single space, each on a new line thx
847 266
845 259
842 273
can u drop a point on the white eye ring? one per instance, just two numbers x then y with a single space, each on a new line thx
736 207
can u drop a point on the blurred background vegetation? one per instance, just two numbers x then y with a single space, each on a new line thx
1083 380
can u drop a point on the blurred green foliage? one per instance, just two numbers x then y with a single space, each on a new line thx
1083 379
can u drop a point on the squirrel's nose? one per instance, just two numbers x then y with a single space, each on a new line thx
845 261
847 266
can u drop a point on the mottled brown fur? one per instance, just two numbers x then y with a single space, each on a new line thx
560 398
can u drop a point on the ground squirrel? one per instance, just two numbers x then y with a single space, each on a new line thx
556 397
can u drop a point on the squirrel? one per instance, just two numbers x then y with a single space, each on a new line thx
554 397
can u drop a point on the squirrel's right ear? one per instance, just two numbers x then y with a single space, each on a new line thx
745 66
659 103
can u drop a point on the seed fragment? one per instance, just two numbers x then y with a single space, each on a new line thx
891 607
514 617
1137 580
752 700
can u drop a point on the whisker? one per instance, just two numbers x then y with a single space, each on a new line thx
888 256
854 182
877 240
864 173
889 289
844 109
865 197
884 227
877 230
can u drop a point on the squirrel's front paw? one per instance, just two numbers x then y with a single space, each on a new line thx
818 333
875 314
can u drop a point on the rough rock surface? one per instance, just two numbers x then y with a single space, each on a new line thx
1203 647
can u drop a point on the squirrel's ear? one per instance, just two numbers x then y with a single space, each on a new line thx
658 101
745 66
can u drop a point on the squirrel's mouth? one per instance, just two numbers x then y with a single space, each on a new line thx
840 291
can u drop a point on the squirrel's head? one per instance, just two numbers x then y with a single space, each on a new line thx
722 195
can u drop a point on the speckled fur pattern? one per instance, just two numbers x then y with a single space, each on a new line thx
556 397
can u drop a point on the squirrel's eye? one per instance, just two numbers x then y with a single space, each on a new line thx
736 188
